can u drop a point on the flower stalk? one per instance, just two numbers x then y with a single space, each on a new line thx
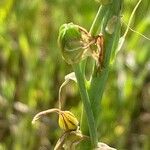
103 20
99 79
86 103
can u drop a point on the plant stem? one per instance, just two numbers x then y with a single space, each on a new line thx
86 103
95 27
99 78
92 99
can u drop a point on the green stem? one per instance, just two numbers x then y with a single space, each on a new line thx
95 28
86 103
99 78
92 99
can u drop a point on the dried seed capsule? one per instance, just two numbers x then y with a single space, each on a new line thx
67 121
72 40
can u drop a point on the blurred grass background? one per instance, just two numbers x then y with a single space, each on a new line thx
31 71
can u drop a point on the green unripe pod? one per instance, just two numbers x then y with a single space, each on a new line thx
72 40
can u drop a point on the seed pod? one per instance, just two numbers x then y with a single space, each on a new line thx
67 121
72 40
